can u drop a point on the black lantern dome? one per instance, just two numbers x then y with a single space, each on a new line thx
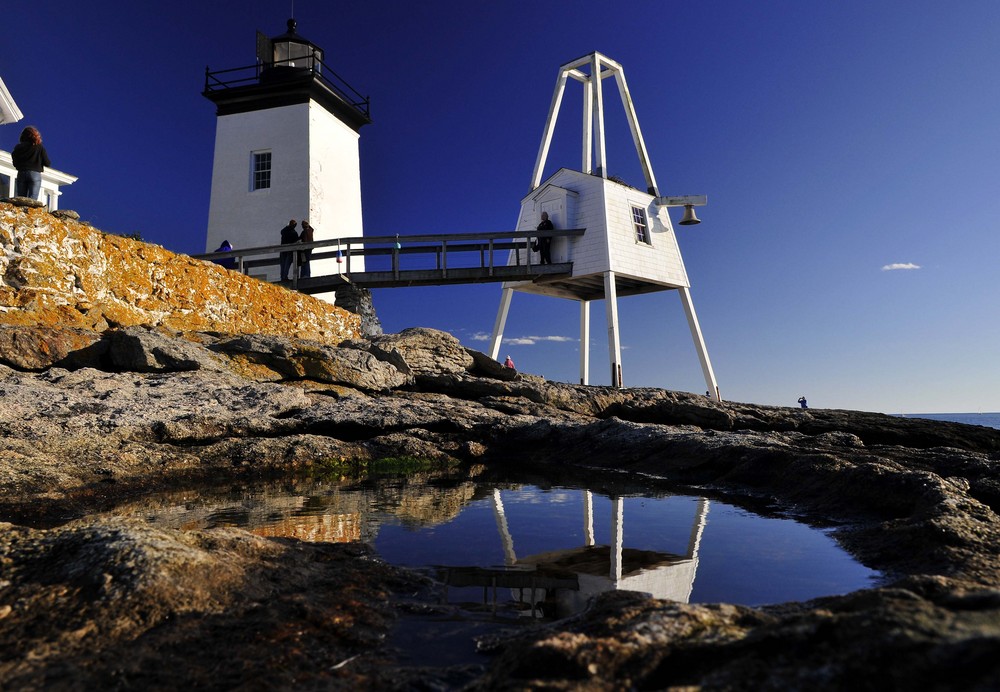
294 51
289 70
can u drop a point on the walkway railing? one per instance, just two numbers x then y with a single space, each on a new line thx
443 248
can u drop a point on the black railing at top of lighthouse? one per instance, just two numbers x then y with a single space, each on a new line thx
251 75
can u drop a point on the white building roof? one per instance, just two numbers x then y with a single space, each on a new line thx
9 112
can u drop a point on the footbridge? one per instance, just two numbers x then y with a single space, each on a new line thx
408 260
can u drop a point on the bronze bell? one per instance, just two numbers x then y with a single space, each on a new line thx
689 219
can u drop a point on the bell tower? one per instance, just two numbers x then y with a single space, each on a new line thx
286 147
629 246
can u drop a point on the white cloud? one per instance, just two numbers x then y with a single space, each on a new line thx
532 340
900 265
480 336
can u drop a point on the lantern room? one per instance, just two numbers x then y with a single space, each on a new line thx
287 52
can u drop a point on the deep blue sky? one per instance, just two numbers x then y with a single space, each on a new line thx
833 139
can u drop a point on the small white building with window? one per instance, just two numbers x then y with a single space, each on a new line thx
627 233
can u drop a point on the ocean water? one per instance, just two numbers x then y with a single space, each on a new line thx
989 420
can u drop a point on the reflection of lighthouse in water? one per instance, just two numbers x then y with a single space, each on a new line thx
611 567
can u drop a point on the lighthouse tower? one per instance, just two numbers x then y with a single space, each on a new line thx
629 246
286 147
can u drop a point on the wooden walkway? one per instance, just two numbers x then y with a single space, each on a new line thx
449 258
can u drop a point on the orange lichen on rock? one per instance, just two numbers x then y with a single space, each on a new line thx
62 272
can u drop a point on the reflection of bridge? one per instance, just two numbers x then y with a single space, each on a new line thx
568 578
445 259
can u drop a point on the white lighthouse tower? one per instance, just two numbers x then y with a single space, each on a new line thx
286 147
629 246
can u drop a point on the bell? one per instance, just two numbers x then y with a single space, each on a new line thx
689 219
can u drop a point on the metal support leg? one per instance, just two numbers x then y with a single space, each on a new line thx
617 539
699 344
614 342
588 518
509 556
505 298
697 529
584 342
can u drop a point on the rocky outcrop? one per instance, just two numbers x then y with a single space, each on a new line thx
154 609
96 413
141 409
60 272
359 301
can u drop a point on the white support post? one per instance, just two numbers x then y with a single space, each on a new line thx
51 196
600 167
550 124
697 529
633 122
584 342
617 539
614 343
588 518
699 343
509 556
588 126
497 337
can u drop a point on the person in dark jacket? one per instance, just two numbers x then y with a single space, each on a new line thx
29 157
306 237
545 244
227 262
288 236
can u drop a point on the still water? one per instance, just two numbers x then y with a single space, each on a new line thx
576 541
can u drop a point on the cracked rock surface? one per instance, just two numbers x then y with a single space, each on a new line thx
115 603
127 370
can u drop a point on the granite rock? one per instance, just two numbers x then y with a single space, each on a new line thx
118 384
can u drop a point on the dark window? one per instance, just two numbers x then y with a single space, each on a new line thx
261 174
641 227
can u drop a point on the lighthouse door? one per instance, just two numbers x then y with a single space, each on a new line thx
556 209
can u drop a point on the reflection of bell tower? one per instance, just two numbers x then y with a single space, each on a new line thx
609 567
286 147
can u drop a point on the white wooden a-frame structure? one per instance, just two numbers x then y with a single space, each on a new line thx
629 245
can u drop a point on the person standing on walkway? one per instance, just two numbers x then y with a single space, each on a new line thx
227 262
29 158
306 237
288 236
545 243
